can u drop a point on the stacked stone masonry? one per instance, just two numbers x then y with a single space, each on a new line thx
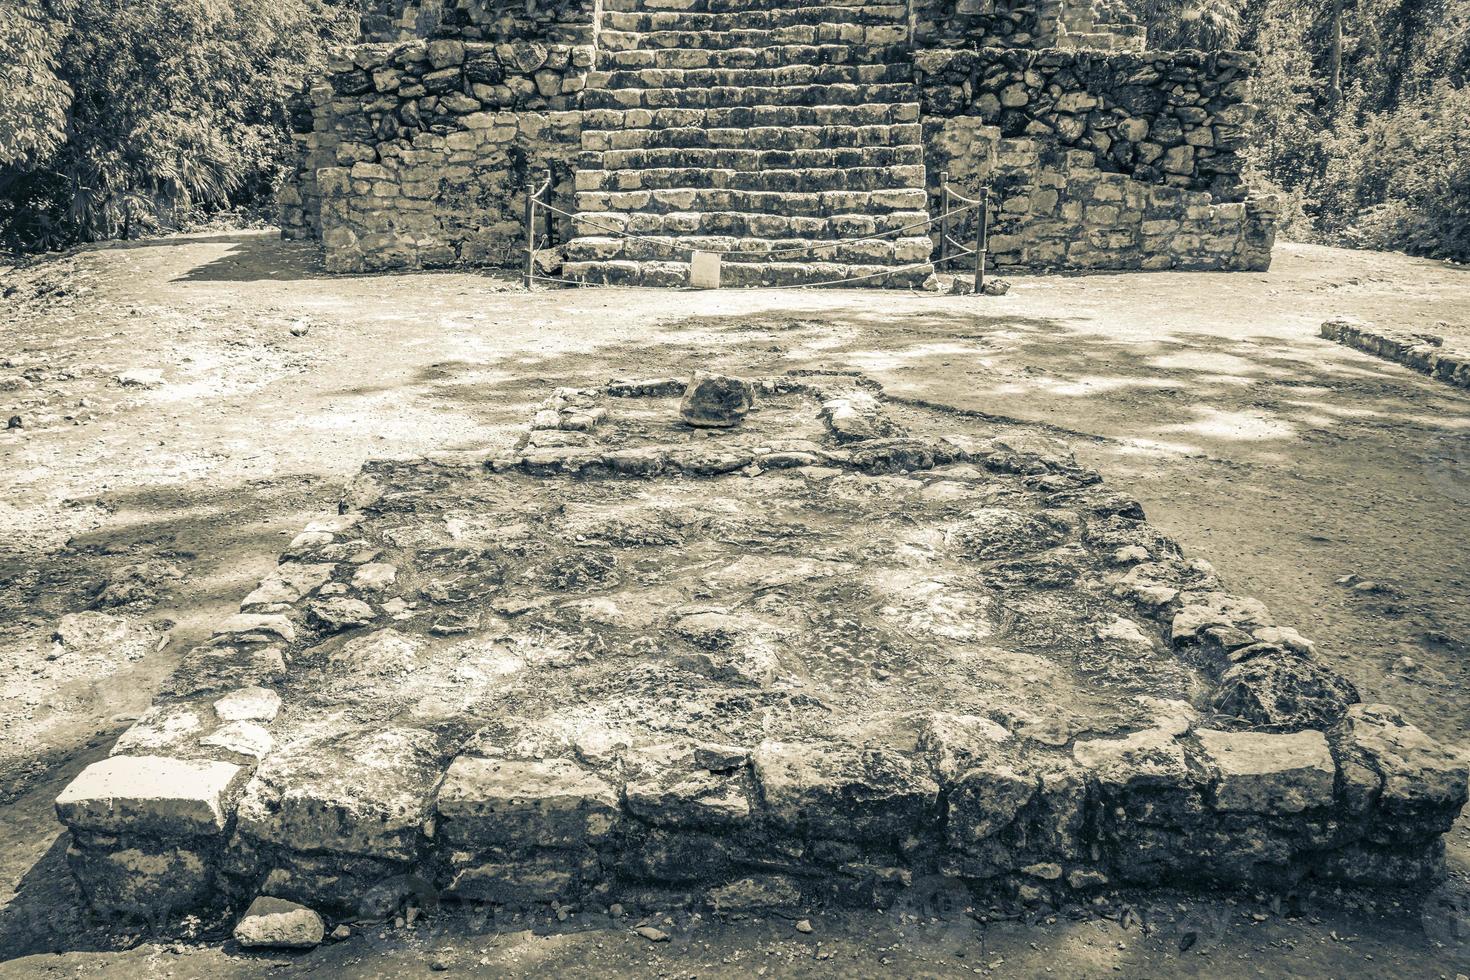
294 756
803 143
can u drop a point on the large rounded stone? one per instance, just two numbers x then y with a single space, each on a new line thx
277 923
716 401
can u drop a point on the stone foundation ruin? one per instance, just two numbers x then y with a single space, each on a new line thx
842 647
804 143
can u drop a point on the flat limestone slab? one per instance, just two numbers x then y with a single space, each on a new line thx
1260 772
367 795
151 795
530 803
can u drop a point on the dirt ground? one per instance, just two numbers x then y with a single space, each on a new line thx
1333 486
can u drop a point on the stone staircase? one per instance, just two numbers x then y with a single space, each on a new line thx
756 128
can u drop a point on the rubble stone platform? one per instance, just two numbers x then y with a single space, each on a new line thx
842 647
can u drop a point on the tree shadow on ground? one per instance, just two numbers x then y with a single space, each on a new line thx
260 257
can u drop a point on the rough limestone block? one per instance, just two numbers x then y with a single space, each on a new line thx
288 582
1417 778
524 803
827 790
363 793
151 795
248 704
537 877
279 924
137 883
244 626
716 401
1150 757
1264 773
690 800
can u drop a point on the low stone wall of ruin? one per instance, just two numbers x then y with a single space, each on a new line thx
1100 160
420 153
1423 352
1280 775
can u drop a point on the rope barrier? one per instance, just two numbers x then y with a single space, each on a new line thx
661 243
946 240
873 275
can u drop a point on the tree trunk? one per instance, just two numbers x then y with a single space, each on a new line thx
1334 85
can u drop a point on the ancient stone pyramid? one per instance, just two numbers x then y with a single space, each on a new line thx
785 137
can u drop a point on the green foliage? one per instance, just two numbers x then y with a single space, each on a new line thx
1400 178
1389 166
33 115
148 108
1209 25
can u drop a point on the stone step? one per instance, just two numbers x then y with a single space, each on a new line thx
748 95
761 19
744 224
708 199
754 137
714 6
753 160
864 114
883 35
747 274
746 249
772 56
786 181
687 78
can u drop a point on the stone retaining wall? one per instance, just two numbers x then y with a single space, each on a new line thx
554 21
1424 352
420 152
1024 24
1100 160
1278 774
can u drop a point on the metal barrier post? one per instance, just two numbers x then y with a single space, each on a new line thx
530 235
982 239
943 215
533 198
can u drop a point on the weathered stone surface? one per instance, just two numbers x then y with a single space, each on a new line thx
243 740
956 744
1417 779
856 417
288 582
374 577
756 894
247 626
690 800
277 923
1284 691
151 795
133 882
843 792
531 803
998 532
1202 610
361 793
986 799
340 613
716 400
1153 756
535 877
1272 774
248 704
